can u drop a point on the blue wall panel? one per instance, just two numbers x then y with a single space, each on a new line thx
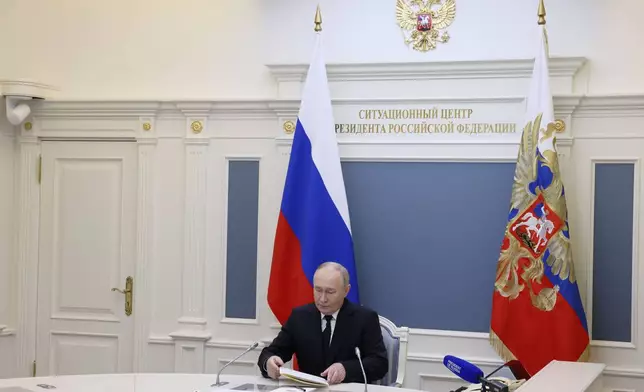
241 260
427 239
613 251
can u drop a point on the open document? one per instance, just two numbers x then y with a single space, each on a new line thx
303 378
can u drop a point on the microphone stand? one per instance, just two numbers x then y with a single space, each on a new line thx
491 385
496 370
364 375
219 383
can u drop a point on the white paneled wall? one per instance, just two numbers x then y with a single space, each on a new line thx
181 200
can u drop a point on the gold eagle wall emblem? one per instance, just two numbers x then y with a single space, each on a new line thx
421 23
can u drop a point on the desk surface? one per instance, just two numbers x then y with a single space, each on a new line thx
566 376
167 382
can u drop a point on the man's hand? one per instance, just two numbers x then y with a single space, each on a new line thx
335 373
273 366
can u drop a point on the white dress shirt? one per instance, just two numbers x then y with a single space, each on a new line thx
323 323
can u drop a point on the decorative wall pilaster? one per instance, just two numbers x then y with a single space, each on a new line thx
196 148
26 260
147 144
192 309
189 351
192 335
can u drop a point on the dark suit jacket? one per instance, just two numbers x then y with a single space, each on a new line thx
356 326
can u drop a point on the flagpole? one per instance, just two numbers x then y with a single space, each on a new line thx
542 22
318 20
560 126
541 13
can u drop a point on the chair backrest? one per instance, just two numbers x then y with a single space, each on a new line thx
395 339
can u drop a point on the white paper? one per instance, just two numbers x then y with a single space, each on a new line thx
302 378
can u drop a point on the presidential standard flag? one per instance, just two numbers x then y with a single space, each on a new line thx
313 225
537 313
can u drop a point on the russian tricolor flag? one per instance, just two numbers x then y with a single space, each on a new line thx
313 225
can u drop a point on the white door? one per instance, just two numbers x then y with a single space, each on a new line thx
87 247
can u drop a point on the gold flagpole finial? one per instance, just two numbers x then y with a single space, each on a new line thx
318 19
542 13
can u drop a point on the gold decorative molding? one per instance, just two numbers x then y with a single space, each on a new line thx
289 127
28 126
147 126
196 126
560 126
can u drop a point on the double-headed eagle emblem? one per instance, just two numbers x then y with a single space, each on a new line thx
537 235
421 24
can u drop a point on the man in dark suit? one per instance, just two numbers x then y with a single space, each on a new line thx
324 334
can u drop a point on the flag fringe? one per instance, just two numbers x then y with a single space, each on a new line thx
585 356
500 348
507 356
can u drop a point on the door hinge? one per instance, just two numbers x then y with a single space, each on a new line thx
39 168
33 369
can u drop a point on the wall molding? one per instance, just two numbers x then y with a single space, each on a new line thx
223 344
87 334
237 345
611 106
420 140
608 344
484 337
245 363
615 371
449 334
238 321
161 340
580 105
484 69
27 87
438 377
102 109
190 335
438 359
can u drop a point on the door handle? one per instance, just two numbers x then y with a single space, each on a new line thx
129 283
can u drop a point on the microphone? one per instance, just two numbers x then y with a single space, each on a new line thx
473 374
218 383
465 370
364 375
